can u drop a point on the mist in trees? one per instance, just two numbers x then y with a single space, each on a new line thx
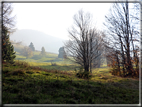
8 27
122 41
85 43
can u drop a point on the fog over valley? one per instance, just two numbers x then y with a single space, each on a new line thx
39 40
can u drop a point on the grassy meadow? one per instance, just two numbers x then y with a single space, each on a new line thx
38 81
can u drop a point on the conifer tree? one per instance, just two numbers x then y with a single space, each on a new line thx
31 46
8 25
43 53
8 53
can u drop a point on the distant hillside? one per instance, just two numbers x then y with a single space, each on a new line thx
39 39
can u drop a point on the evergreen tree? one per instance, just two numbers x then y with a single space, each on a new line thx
8 25
8 53
43 53
32 46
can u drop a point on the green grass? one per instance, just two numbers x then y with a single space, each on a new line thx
39 59
22 84
47 61
58 66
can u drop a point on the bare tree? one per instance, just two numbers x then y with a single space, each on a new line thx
8 21
123 36
137 8
84 42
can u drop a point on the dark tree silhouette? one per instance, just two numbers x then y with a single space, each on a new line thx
8 27
84 43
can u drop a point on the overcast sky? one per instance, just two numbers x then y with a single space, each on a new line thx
56 18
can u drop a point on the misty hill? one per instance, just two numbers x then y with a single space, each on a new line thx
39 39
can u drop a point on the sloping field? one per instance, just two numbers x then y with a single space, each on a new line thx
23 84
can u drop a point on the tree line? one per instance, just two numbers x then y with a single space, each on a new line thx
27 51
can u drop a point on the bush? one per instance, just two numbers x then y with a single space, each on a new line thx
83 74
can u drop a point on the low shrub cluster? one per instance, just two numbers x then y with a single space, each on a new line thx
120 72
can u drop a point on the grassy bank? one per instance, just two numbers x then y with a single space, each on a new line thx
23 84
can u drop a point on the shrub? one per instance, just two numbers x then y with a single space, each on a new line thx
83 74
